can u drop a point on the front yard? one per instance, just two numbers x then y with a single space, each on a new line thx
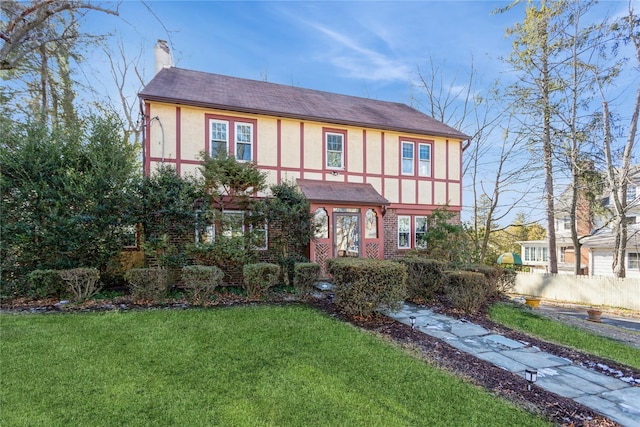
241 366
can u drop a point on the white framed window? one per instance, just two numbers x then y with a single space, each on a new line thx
424 159
633 262
408 158
130 236
566 223
335 150
404 232
244 142
259 236
421 232
539 254
234 226
218 137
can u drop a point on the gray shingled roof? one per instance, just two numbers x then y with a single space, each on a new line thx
187 87
341 192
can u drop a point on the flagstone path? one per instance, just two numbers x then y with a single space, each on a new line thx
614 398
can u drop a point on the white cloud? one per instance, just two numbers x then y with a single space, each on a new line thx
360 62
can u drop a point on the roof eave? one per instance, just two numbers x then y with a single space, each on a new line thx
461 136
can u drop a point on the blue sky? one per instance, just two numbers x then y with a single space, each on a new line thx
368 49
360 48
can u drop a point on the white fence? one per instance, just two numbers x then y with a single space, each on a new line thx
589 290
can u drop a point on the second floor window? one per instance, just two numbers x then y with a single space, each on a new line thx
335 150
407 158
244 141
219 137
424 160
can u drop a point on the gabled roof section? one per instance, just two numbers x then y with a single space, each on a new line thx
187 87
347 193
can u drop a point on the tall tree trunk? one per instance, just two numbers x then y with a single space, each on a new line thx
547 149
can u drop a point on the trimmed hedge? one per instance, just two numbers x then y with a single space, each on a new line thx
83 283
147 283
499 280
467 290
259 278
200 282
305 276
425 276
363 286
44 284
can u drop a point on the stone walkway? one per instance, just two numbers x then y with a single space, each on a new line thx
611 397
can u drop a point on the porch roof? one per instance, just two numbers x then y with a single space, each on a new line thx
344 193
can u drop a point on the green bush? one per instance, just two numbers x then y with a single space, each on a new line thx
365 285
259 277
467 290
226 253
424 276
499 281
305 276
200 282
44 284
147 283
83 283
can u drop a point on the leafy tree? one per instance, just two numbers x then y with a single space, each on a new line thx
290 220
446 240
535 48
167 213
66 195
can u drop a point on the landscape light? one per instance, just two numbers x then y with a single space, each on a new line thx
531 375
413 321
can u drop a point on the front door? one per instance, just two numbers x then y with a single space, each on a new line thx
346 234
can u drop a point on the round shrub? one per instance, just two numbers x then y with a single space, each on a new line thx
363 286
305 276
424 276
467 290
200 282
259 278
83 283
147 283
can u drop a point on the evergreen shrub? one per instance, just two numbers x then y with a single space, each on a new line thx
425 276
147 283
200 282
44 284
363 286
259 278
467 290
305 276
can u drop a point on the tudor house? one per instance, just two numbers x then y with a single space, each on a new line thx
373 171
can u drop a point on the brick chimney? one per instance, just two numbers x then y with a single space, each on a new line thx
162 55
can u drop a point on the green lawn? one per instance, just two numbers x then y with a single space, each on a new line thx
243 366
531 323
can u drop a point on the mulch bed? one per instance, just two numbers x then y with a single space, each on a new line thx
559 410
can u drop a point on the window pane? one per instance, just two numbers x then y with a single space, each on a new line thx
334 150
371 225
244 141
234 224
424 163
218 138
243 152
404 232
407 158
321 220
421 231
634 261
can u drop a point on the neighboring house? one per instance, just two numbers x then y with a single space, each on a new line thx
373 171
535 253
602 242
601 246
